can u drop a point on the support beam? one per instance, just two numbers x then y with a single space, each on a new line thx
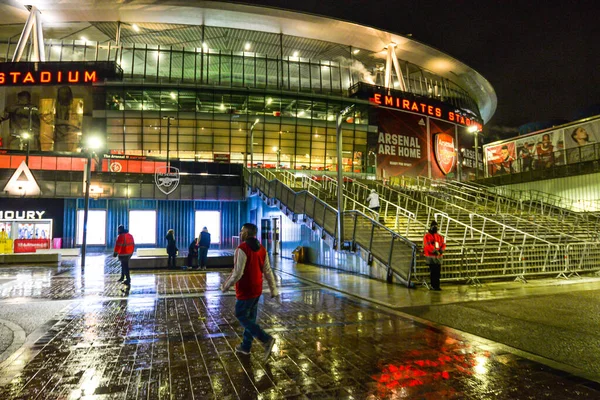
33 29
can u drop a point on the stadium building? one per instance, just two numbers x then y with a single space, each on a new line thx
204 89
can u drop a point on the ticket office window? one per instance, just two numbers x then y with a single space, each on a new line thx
96 229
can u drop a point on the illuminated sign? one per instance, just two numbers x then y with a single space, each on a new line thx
13 214
55 73
166 179
22 183
400 100
421 107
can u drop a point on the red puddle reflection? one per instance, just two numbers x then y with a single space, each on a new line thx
444 358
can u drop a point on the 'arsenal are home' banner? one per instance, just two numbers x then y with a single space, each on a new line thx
401 144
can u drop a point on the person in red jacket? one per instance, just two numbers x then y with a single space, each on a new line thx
433 250
124 249
250 264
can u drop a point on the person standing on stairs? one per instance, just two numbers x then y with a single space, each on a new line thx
433 250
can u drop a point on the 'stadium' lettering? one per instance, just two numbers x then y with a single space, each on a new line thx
47 77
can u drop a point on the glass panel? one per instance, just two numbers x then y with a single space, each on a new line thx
96 229
142 226
212 221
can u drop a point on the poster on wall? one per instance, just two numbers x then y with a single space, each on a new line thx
52 115
582 142
401 144
501 159
443 149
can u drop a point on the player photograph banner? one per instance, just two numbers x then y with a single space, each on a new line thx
583 142
501 158
401 144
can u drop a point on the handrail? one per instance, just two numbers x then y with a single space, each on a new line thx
398 260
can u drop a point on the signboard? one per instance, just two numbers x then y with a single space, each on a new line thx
166 179
30 245
222 158
57 73
401 144
22 183
399 100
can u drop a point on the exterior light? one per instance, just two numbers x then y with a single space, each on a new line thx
274 148
256 121
25 135
135 27
222 106
83 38
472 128
269 101
247 46
204 46
295 54
356 51
173 95
94 142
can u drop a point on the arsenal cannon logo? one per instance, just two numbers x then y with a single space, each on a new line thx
166 179
445 155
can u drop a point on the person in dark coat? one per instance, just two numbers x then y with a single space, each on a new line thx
203 245
192 253
171 249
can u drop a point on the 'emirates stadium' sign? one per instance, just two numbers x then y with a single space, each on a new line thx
54 73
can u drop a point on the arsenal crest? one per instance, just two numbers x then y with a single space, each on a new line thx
166 179
445 156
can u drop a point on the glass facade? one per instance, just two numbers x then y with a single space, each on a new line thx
292 132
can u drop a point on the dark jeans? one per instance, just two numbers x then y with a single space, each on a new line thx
245 312
172 261
435 271
202 256
125 267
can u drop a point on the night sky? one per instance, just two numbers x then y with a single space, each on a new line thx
542 58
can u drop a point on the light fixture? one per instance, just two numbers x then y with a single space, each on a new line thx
83 38
295 54
472 128
274 148
269 101
247 46
94 142
135 27
222 106
356 51
204 46
173 95
25 135
301 113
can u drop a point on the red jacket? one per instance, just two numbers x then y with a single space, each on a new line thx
125 244
432 242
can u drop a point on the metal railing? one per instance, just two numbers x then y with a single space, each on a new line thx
398 254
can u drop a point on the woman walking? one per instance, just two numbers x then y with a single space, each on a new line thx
171 249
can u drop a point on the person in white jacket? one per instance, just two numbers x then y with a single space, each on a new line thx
373 200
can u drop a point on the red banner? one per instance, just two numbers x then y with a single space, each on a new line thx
30 245
442 150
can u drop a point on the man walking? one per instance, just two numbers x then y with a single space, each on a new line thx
203 245
251 263
124 249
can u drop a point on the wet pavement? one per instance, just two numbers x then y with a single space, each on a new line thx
172 335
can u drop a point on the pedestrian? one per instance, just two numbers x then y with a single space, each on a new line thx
171 249
373 200
124 250
250 264
192 253
433 250
203 245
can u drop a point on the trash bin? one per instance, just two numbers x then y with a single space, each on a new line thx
57 243
298 254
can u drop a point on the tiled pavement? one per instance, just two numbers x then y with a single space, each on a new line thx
172 337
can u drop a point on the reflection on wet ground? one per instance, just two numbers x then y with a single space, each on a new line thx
172 336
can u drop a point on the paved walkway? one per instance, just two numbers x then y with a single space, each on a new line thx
172 337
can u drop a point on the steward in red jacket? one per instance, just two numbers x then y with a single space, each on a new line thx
433 250
124 248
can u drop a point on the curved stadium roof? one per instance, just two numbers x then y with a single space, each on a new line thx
178 22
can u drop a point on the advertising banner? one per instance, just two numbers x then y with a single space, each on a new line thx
501 159
51 116
580 141
401 144
443 149
30 245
